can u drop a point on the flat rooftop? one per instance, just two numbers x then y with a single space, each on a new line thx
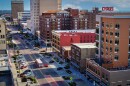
59 32
67 48
85 45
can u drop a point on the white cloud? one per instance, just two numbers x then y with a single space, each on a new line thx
117 3
71 6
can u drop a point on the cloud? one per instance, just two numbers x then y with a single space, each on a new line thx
117 3
71 6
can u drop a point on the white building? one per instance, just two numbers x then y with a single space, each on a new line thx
38 7
23 16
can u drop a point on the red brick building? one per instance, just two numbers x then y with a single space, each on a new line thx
91 17
73 12
62 38
53 20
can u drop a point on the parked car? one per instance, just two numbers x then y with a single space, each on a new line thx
51 61
45 65
26 73
59 68
68 71
23 65
66 77
67 67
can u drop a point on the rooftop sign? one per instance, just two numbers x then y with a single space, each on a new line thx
108 9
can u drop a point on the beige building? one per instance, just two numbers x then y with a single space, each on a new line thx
79 53
40 6
17 6
111 67
104 77
2 36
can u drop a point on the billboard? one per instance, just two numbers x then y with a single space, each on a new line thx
107 8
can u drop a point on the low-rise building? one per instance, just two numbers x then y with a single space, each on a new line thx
104 77
62 38
66 53
79 53
23 17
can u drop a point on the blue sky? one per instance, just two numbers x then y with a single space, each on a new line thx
119 5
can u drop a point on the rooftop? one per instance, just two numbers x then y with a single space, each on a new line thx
58 32
85 45
50 11
66 48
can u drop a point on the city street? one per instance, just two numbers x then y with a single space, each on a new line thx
46 76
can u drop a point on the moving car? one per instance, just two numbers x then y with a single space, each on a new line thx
68 71
51 61
59 68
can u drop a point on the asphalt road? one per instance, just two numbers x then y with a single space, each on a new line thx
45 76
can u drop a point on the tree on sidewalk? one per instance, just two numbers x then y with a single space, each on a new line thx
18 52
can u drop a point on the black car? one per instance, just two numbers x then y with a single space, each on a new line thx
51 61
68 71
59 68
66 77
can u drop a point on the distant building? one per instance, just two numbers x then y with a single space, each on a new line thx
79 53
4 66
53 20
17 6
112 64
61 38
23 17
40 6
91 17
73 12
2 36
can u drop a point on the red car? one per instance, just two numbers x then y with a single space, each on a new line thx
45 65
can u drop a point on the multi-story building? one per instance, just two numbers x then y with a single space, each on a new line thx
2 36
40 6
91 17
79 53
79 22
73 12
62 38
53 20
23 17
112 64
17 6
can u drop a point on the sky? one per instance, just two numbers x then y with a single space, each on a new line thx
119 5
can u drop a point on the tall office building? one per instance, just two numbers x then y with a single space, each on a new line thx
40 6
112 66
17 6
114 39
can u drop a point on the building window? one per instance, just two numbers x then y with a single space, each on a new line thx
116 58
0 26
102 24
0 31
117 41
116 49
110 41
117 34
117 26
107 25
111 33
110 49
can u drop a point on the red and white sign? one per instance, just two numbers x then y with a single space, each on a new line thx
107 9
